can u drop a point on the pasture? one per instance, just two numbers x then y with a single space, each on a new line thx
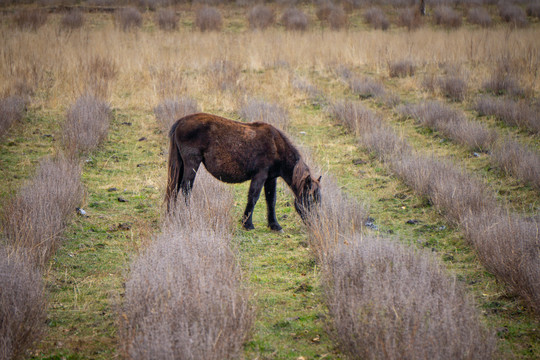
425 131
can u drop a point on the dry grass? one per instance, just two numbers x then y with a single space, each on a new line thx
208 19
453 86
36 216
513 14
409 18
128 18
479 16
12 110
98 72
260 110
22 305
86 125
332 14
30 19
72 20
261 17
517 160
223 75
401 68
447 17
294 19
170 110
166 19
533 10
511 112
376 17
366 87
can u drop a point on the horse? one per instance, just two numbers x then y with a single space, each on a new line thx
234 152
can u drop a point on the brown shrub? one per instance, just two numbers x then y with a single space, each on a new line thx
503 82
35 218
22 305
294 19
224 74
208 19
401 68
170 110
259 110
409 18
260 17
516 159
479 16
387 301
447 17
30 19
12 110
513 14
338 18
72 20
511 112
167 19
375 17
323 10
533 10
86 125
128 18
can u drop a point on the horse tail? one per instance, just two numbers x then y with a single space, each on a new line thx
175 169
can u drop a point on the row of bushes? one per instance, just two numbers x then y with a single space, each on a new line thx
466 202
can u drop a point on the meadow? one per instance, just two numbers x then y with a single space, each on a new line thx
424 129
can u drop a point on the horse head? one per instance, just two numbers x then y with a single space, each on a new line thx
307 190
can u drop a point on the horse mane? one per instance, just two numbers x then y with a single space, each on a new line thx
300 174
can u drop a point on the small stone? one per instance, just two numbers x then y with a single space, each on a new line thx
81 212
126 123
121 199
412 222
359 162
112 189
142 139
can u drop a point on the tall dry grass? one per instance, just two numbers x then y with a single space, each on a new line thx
511 112
170 110
260 110
12 110
519 161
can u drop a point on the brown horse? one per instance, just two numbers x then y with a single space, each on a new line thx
235 152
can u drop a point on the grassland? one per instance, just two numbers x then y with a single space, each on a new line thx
85 278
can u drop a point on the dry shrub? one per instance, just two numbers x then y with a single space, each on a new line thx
503 82
303 85
401 68
167 19
366 87
260 110
30 19
86 125
128 18
409 18
323 10
453 86
72 20
337 18
376 17
294 19
170 110
513 14
387 301
479 16
516 159
99 72
511 112
533 10
12 110
168 82
447 17
22 305
36 216
451 123
224 74
260 17
509 248
208 19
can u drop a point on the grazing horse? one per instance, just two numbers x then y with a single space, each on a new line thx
235 152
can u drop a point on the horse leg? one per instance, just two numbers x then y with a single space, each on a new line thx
253 195
191 165
270 194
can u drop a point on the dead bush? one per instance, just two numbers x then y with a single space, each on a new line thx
387 301
513 14
366 87
447 17
479 16
22 305
72 20
208 19
503 82
453 86
511 112
533 10
409 18
261 17
353 115
515 159
86 125
260 110
401 68
302 84
323 10
294 19
36 216
338 18
167 19
170 110
30 19
12 110
128 18
223 74
376 17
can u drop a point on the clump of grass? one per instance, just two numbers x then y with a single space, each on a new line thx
72 20
260 110
224 74
409 18
167 19
503 80
168 82
366 87
401 68
128 18
303 85
35 217
451 123
208 19
479 16
86 125
99 72
334 15
170 110
261 17
516 159
447 17
22 304
376 17
533 10
323 10
511 112
12 110
453 86
513 14
294 19
30 19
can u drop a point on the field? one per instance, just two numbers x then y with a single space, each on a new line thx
461 95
